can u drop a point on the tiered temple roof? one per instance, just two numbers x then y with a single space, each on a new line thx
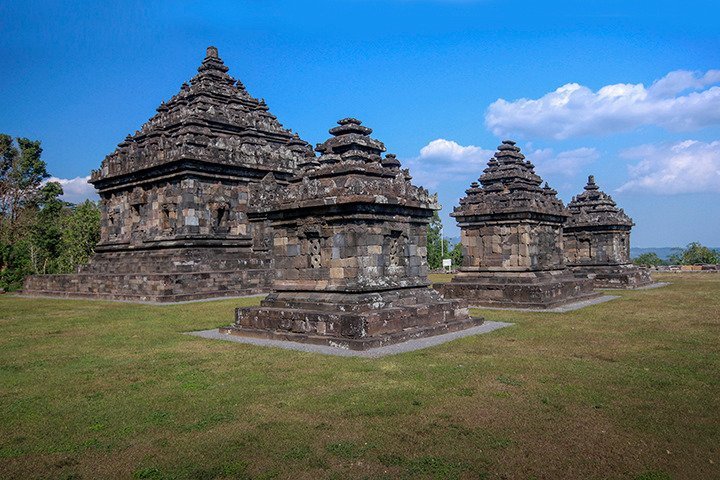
350 169
509 184
595 208
213 119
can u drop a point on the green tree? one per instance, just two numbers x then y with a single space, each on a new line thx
22 173
47 230
695 254
457 255
39 233
81 232
649 260
436 245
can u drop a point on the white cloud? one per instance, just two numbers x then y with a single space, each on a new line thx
684 167
680 101
76 190
442 161
567 163
447 161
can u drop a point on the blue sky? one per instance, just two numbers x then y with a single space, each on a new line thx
628 91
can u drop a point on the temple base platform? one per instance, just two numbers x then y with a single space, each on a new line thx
522 290
167 275
615 276
355 321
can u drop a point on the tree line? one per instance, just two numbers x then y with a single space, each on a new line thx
694 254
39 232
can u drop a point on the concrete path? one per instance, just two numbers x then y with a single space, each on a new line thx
409 346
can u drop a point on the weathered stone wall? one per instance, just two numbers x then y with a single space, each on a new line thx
597 248
180 207
162 275
353 256
512 246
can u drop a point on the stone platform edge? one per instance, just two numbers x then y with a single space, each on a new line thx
566 307
95 298
392 349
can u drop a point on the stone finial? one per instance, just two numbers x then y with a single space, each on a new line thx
349 120
509 142
211 52
591 183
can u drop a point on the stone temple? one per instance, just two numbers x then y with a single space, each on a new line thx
597 241
350 234
512 240
174 198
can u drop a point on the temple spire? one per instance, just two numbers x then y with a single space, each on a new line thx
591 183
350 141
213 66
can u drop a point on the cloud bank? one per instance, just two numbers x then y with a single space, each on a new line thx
680 101
76 190
442 161
683 167
445 161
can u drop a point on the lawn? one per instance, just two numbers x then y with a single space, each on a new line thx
627 389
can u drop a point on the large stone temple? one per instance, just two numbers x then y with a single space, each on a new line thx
512 240
350 234
174 198
597 241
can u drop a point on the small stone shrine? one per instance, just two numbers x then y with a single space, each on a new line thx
174 198
512 240
597 241
350 234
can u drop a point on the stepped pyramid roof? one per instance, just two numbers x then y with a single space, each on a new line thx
509 184
350 170
212 120
595 208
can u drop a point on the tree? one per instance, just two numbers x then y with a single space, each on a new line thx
649 260
22 173
695 254
436 245
39 232
457 255
47 230
81 232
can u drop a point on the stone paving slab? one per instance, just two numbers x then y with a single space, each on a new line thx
569 307
394 349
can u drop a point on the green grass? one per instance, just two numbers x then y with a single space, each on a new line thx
628 389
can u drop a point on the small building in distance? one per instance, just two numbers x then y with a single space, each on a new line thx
512 240
597 241
350 248
174 199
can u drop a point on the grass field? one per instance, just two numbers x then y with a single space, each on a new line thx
628 389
